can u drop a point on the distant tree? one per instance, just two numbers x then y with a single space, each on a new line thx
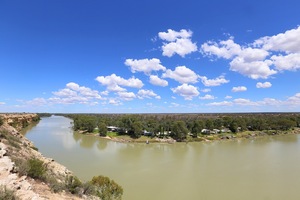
241 123
85 123
286 124
136 129
258 124
226 121
102 128
209 124
179 130
233 126
197 127
218 123
107 189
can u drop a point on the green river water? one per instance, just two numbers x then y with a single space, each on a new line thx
260 169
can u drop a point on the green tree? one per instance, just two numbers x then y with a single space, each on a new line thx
209 124
136 129
197 127
233 126
85 123
218 123
102 128
107 189
179 130
286 124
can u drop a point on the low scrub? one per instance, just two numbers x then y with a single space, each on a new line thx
73 184
6 194
37 169
107 189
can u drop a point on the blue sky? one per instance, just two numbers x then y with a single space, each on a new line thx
149 56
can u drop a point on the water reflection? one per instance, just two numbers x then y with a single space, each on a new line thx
102 145
85 141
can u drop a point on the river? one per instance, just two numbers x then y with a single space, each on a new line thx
261 169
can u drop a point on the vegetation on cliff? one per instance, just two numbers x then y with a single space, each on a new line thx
27 162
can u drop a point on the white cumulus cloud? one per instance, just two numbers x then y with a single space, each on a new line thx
288 41
239 89
155 80
224 49
246 60
74 93
244 102
186 91
294 100
144 65
182 74
172 35
263 85
206 90
213 82
127 96
290 62
223 103
177 42
207 97
115 102
254 69
113 82
147 94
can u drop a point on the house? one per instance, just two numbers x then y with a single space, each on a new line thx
112 128
216 130
147 133
205 131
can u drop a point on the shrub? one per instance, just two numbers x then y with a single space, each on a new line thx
107 189
34 148
73 184
37 169
21 165
1 121
6 194
89 188
54 184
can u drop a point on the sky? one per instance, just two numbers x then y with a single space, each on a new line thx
117 56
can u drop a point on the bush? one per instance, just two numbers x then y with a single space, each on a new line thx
6 194
21 165
54 184
37 169
1 121
34 148
73 184
107 189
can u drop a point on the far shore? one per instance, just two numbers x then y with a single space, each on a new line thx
201 138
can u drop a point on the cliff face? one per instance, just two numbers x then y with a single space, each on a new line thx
14 147
19 121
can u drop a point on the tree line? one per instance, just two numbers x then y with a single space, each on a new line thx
179 126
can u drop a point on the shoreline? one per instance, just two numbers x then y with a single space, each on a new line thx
15 149
203 138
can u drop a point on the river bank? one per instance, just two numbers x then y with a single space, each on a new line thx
202 138
15 150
